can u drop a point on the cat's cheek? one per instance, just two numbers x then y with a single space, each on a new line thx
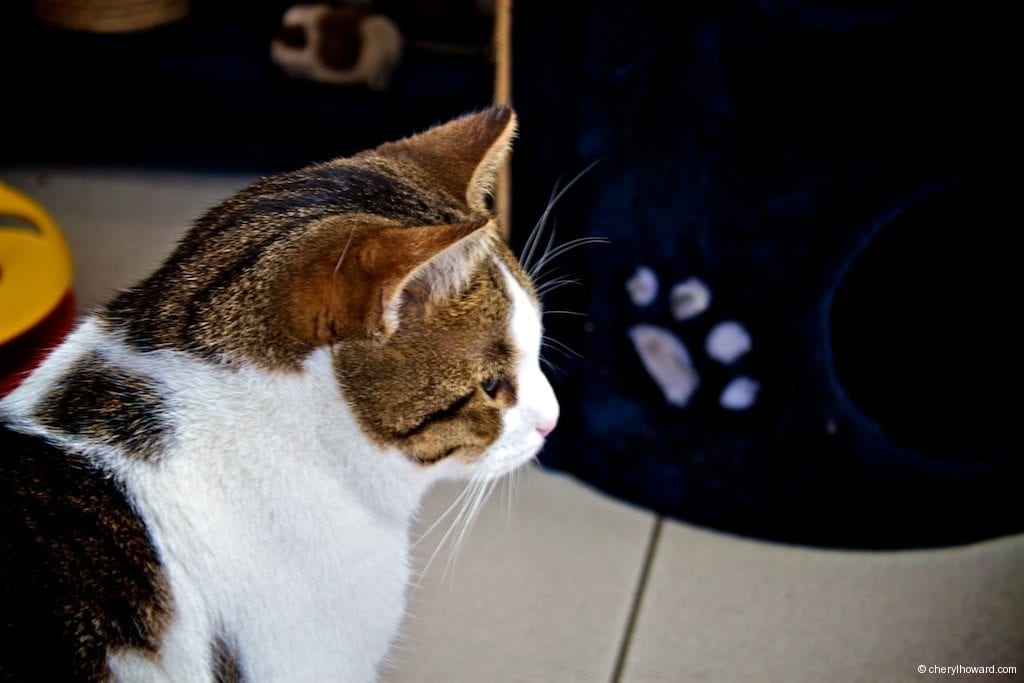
525 426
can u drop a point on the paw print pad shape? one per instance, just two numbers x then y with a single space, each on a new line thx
665 356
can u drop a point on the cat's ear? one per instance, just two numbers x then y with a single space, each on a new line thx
362 291
412 266
465 155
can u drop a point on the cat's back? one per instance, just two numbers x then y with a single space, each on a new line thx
78 574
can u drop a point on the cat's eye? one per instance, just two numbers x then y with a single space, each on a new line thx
493 385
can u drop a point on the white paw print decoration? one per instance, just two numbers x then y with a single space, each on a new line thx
665 356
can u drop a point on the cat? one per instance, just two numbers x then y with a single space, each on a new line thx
213 477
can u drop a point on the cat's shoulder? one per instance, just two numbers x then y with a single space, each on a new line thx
89 393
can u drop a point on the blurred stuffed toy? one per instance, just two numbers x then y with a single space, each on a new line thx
363 41
338 44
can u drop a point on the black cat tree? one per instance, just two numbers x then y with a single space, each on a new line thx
803 326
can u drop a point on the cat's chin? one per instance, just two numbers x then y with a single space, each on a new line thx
498 463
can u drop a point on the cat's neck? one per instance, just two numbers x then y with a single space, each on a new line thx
266 426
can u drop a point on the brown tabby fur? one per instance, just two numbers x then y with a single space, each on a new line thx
78 574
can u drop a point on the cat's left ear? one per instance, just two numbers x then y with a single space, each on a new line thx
412 266
378 273
464 155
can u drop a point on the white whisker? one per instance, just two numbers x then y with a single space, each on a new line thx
563 312
484 488
534 269
459 528
458 498
552 285
562 249
508 497
552 343
462 501
513 483
538 229
348 243
552 367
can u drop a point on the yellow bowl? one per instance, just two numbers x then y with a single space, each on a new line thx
35 264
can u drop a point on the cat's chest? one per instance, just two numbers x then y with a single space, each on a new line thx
301 588
274 534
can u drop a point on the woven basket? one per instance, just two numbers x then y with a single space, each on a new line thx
109 16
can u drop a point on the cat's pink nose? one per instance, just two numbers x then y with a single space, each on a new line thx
547 427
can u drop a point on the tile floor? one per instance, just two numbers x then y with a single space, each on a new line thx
558 583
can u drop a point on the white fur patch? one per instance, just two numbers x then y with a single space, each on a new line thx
281 527
536 407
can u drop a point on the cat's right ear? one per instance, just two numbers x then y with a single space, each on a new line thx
464 155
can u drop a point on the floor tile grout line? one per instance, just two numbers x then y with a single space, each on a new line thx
638 596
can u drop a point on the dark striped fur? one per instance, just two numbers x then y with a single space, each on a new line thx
78 572
105 404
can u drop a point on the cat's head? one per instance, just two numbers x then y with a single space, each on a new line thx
390 259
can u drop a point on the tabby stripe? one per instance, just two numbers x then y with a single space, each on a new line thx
226 667
315 193
230 273
101 402
437 416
